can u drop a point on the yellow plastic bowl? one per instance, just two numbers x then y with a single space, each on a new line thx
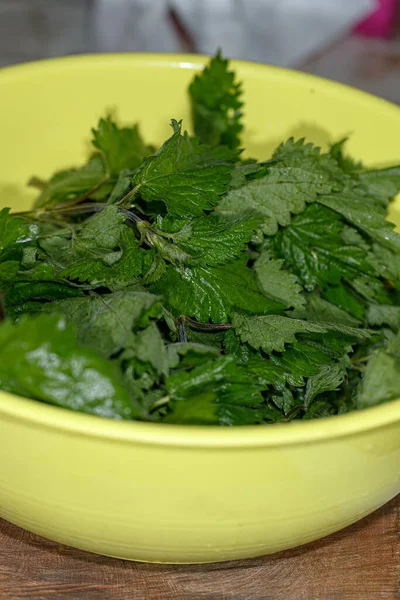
172 493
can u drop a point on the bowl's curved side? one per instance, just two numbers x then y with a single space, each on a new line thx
184 496
171 504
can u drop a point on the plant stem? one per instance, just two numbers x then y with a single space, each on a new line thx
128 196
212 326
130 215
294 410
182 332
160 402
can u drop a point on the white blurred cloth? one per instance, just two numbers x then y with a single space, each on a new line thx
281 32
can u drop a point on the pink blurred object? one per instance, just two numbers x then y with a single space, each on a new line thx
381 23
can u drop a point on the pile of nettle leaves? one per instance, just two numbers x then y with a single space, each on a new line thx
186 285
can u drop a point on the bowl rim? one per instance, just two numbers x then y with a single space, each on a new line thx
40 415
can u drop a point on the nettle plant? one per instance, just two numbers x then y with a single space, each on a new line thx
186 285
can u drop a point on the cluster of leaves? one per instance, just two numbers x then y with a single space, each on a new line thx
184 285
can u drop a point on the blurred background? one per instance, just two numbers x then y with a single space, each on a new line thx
353 41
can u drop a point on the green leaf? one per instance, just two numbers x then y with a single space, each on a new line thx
243 173
294 177
216 105
68 184
32 296
381 314
265 372
314 249
14 231
272 332
308 357
381 378
278 284
329 378
320 310
122 186
212 292
41 359
347 300
187 355
105 252
233 345
207 241
114 270
382 183
12 273
346 163
354 208
121 147
217 392
185 175
149 348
107 322
8 273
386 263
308 157
103 230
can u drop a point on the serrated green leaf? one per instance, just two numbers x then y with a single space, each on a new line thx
381 314
105 252
272 332
386 263
381 378
149 348
216 105
217 392
121 147
211 293
274 198
329 378
185 175
129 264
313 248
305 359
68 184
295 176
106 322
320 310
308 157
278 284
347 164
97 238
360 214
382 183
207 241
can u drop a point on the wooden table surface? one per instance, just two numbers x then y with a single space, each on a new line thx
360 563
